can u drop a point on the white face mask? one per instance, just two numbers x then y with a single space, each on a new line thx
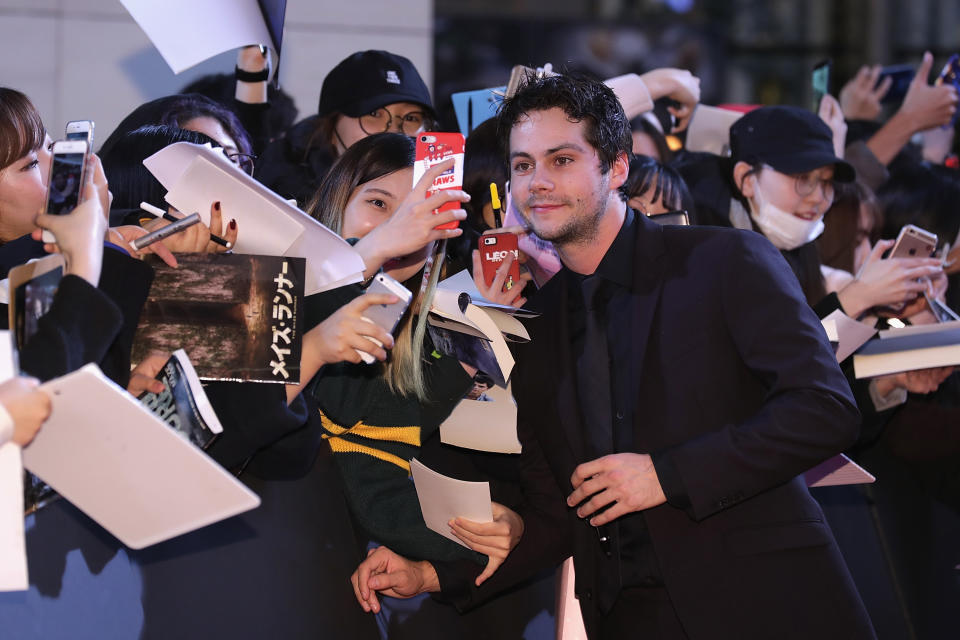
785 230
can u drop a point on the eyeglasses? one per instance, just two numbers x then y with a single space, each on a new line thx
807 183
243 160
380 120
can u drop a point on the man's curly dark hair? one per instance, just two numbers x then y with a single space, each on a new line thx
584 99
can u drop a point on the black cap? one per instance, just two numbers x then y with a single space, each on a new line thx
368 80
789 139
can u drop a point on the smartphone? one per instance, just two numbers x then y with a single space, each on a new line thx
914 242
901 75
385 315
950 74
820 82
940 311
80 130
671 217
434 148
494 249
66 179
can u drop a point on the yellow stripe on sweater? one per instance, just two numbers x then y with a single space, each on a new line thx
339 445
404 435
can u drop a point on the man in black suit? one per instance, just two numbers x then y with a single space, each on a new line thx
676 387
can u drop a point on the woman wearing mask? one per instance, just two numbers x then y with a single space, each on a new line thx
784 172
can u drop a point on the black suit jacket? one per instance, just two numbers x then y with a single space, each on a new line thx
737 384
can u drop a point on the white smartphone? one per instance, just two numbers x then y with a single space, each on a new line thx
385 315
67 173
80 130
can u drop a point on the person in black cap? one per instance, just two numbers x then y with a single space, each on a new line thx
369 92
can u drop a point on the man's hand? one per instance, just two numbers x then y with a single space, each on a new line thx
392 575
860 97
626 481
495 539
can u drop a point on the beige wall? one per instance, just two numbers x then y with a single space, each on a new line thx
87 59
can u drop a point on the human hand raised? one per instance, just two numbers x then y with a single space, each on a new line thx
679 85
413 225
860 97
494 539
926 106
831 113
79 234
624 482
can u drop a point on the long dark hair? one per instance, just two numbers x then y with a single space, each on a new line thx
130 182
176 111
368 159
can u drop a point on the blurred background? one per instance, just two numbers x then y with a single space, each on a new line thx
80 59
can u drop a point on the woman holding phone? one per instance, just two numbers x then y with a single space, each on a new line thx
377 417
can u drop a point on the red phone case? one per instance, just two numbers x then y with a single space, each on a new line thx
494 248
433 148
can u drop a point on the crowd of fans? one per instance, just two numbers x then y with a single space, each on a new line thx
831 214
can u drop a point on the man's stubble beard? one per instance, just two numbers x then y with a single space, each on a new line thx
580 228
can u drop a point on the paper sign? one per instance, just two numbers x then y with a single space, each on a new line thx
709 129
116 461
13 549
849 333
187 32
443 498
197 175
484 425
476 107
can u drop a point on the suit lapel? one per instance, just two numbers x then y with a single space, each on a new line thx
631 317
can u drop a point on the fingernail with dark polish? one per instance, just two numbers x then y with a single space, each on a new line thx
233 225
216 205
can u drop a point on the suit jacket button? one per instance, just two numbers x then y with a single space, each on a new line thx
619 415
588 594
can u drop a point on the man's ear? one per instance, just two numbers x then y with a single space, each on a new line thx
747 187
619 171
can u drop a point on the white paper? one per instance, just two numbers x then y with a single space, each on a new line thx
187 32
124 467
484 426
709 129
13 548
462 282
836 471
848 332
474 321
196 175
443 498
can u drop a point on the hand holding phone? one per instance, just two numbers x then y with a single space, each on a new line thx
67 175
432 149
386 316
495 248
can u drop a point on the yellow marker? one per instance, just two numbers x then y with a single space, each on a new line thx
495 203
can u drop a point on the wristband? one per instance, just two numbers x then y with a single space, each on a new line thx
252 76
